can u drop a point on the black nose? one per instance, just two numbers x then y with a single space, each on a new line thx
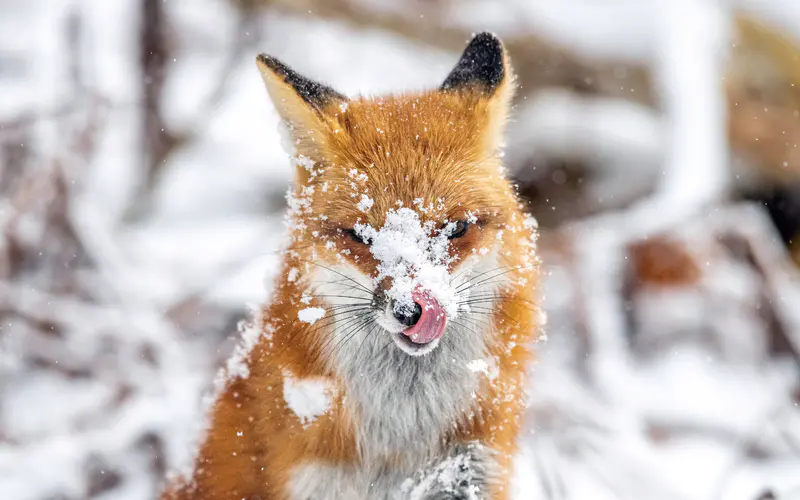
406 317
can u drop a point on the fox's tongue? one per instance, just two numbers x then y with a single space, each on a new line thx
432 321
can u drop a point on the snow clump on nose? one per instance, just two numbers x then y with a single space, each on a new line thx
413 255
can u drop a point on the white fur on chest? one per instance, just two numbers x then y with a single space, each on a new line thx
403 405
330 482
466 471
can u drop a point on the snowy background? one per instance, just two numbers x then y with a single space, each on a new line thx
142 188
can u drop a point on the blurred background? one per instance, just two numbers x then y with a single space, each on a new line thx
142 192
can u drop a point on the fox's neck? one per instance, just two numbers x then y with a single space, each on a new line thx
408 404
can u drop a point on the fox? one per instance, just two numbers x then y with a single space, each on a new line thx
391 362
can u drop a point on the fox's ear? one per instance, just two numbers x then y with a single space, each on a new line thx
301 103
484 68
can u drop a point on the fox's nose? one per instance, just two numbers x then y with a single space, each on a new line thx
405 317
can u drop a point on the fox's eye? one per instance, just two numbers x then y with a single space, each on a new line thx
354 236
460 230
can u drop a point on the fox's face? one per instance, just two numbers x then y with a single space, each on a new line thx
403 223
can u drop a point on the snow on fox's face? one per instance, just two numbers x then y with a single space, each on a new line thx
414 256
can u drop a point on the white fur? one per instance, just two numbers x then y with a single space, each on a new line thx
400 405
318 481
466 471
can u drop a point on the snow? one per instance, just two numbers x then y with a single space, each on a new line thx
308 398
310 315
365 203
251 332
446 477
413 254
478 365
488 368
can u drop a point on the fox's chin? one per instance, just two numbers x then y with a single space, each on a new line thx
411 348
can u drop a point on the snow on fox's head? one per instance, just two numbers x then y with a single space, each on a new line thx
405 190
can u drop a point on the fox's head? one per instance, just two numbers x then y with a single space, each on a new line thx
404 226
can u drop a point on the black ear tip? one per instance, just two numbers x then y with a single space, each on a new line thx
274 64
481 64
486 42
314 93
263 59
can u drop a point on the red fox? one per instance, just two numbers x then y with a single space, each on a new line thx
391 362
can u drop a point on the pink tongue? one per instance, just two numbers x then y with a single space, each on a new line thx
432 321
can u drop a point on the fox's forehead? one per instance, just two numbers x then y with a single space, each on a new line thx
420 151
426 130
441 119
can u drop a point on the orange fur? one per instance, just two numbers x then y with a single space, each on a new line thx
440 146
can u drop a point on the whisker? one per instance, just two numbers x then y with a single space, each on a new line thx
350 335
499 296
461 324
353 313
493 282
507 270
470 303
484 273
368 335
362 299
350 323
491 312
460 273
339 282
386 346
334 307
336 272
319 324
